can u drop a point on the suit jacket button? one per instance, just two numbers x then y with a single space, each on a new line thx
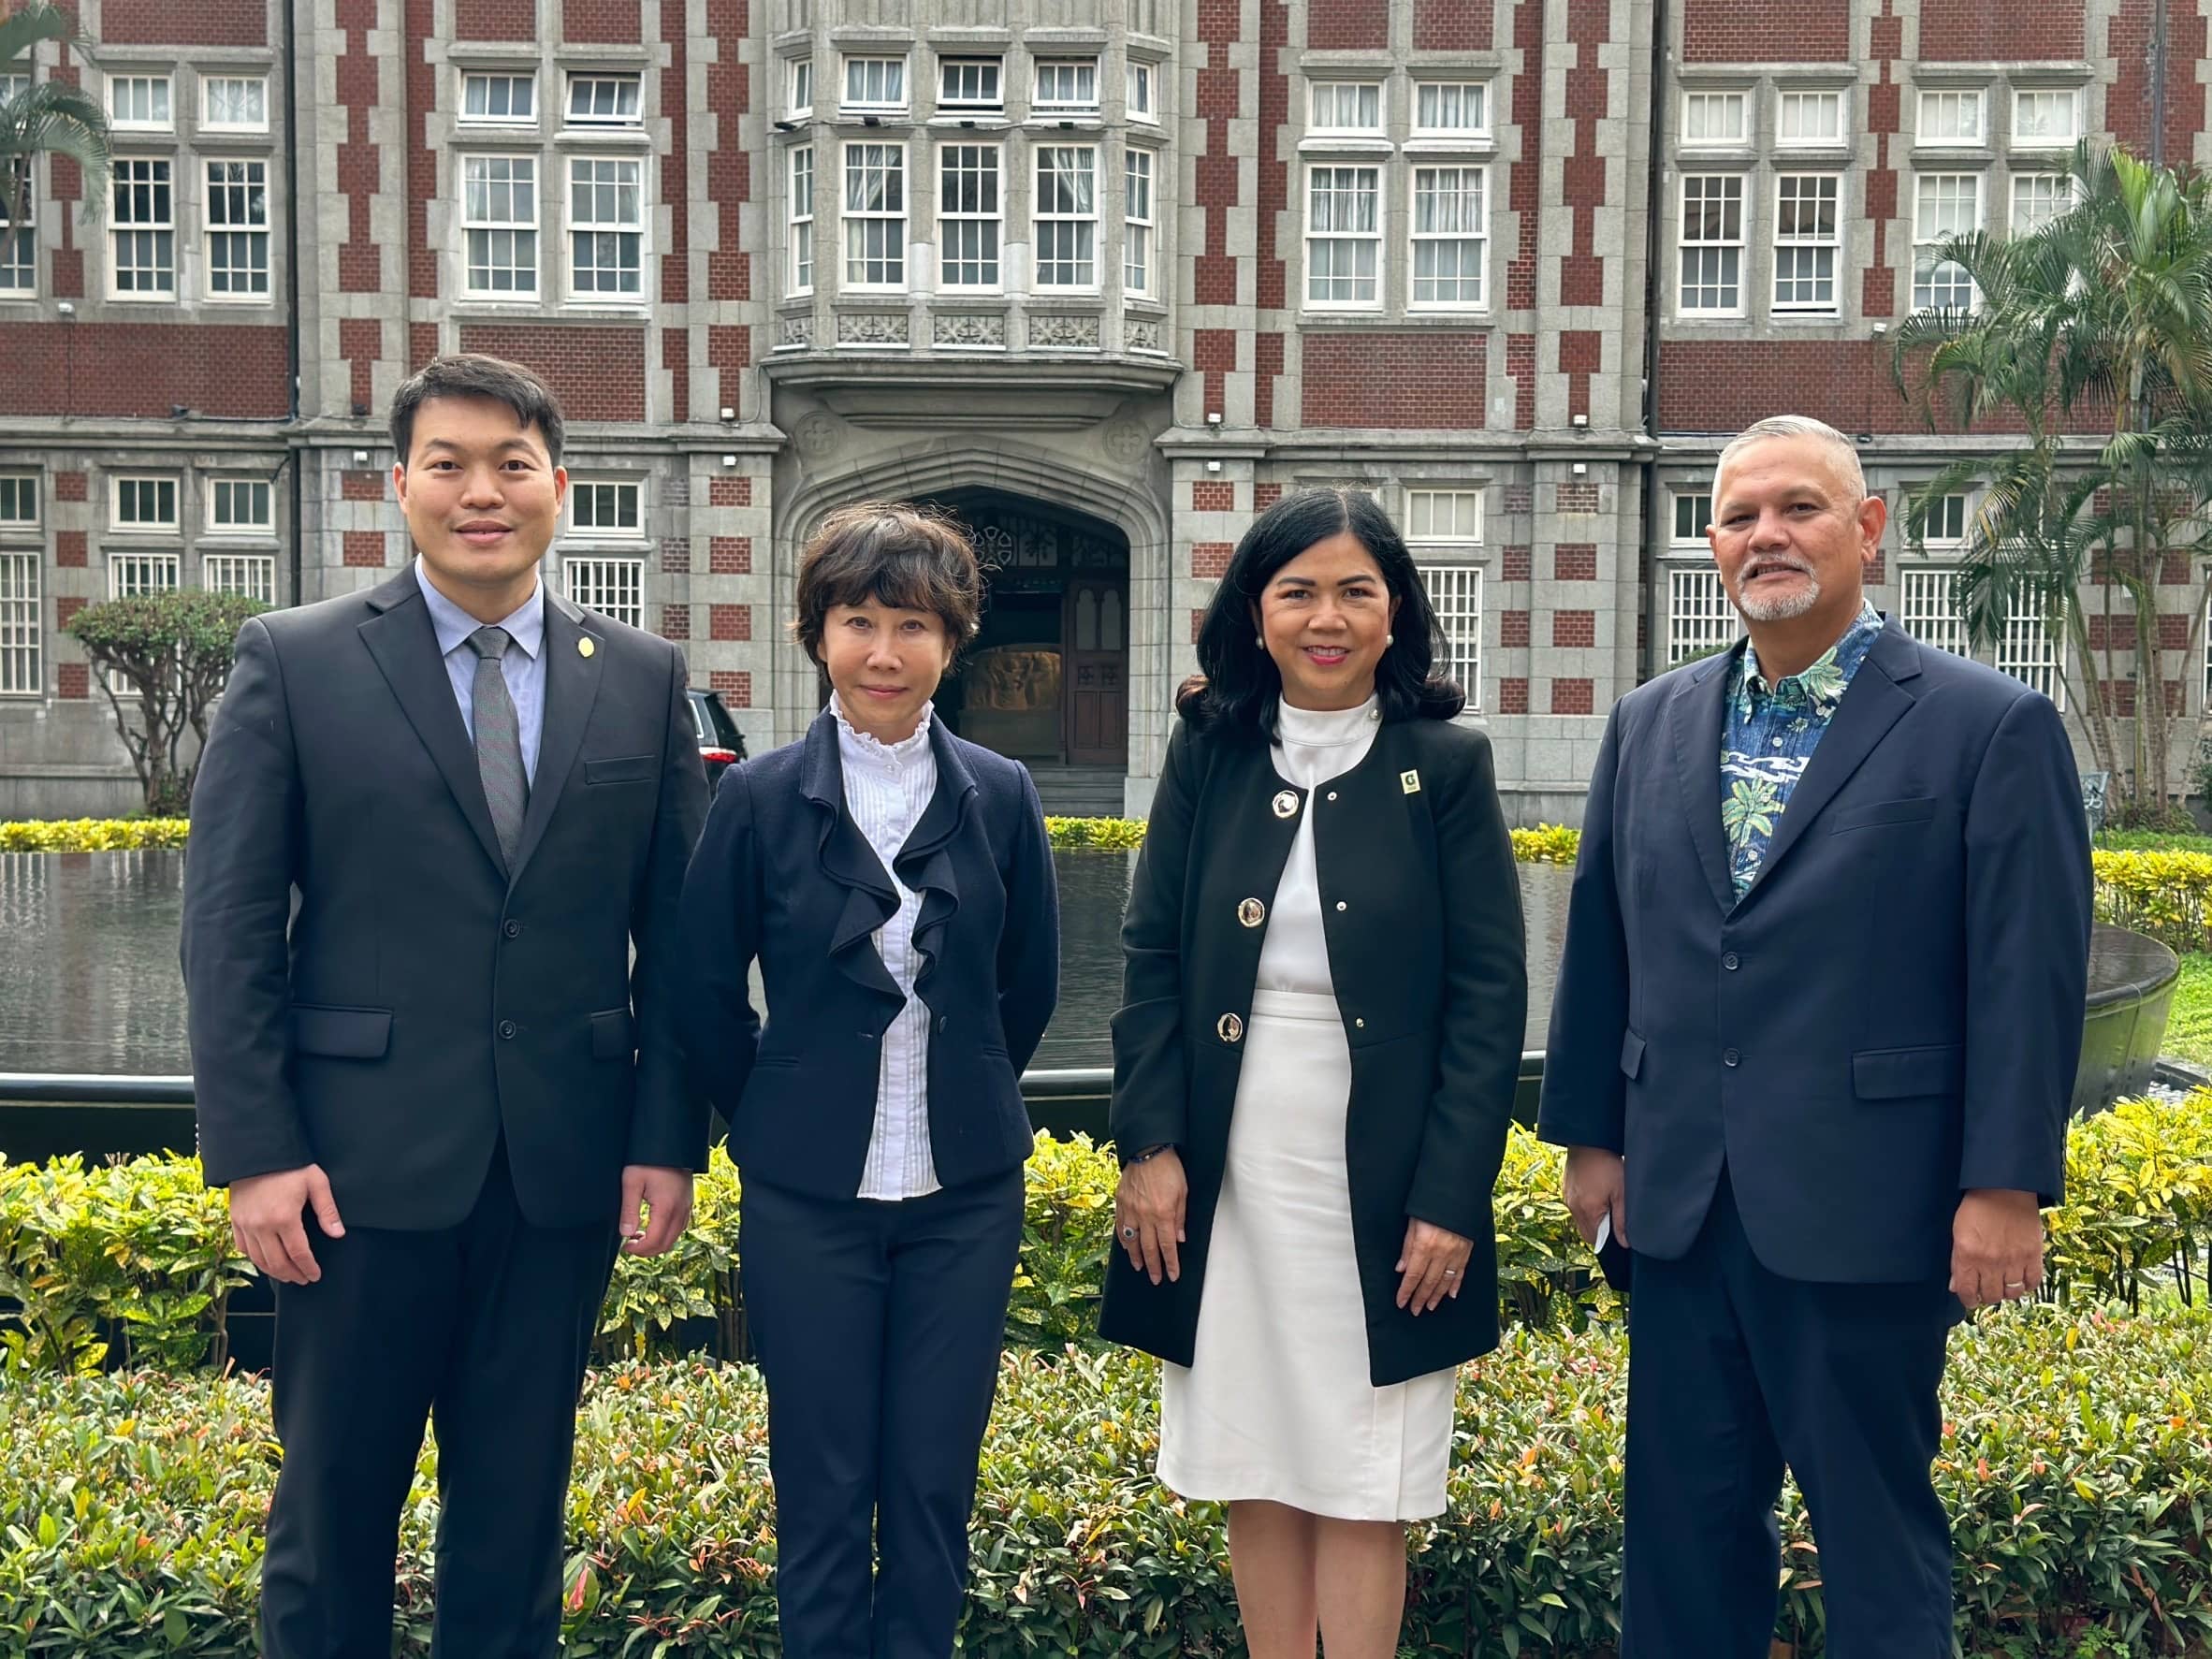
1730 1057
1340 904
944 1021
1728 961
1229 1029
513 931
1358 1024
507 1029
1251 912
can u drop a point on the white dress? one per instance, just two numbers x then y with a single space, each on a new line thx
1277 1404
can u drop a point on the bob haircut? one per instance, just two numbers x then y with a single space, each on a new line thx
1238 684
908 558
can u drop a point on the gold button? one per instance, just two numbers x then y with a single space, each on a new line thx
1251 912
1229 1029
1360 1025
1287 805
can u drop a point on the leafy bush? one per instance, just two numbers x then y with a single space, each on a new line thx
2076 1461
91 834
2116 840
2140 1177
2160 894
1547 843
1112 834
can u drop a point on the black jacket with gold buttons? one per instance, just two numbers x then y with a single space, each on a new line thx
1421 909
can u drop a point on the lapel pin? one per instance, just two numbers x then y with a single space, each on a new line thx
1410 782
1286 804
585 647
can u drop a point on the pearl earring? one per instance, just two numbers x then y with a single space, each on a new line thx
1389 639
1260 640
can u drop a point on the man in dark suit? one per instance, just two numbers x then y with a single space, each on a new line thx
1812 1048
431 821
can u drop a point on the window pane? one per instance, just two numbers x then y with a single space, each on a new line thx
1449 107
1692 513
1699 618
1927 609
1713 118
21 630
612 586
1455 592
1808 118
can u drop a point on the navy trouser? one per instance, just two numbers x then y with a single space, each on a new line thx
1735 1371
877 1327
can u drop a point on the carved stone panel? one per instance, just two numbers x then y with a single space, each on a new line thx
1065 334
1144 334
798 332
873 328
974 332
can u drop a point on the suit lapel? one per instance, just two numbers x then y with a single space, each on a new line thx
1876 700
572 686
1695 715
925 862
847 859
404 644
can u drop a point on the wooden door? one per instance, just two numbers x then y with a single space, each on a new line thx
1095 679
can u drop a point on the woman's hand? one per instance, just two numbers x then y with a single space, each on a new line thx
1434 1265
1148 1213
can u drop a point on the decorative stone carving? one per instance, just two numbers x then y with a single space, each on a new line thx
1144 334
1125 441
1067 333
797 332
969 331
874 327
819 435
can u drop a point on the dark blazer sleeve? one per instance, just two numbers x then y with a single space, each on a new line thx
1484 1010
1585 1098
668 1127
720 1031
1151 1086
2029 900
1029 949
237 907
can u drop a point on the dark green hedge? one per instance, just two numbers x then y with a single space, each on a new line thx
2076 1461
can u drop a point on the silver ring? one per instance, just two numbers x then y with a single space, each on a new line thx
1128 1233
2015 1284
1451 1273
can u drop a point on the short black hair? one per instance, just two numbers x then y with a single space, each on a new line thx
910 558
471 374
1238 683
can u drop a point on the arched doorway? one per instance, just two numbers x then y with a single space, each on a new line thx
1047 678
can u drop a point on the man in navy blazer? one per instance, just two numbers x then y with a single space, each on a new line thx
1812 1048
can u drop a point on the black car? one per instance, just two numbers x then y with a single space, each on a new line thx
722 745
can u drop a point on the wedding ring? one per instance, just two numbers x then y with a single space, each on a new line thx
2015 1284
1451 1273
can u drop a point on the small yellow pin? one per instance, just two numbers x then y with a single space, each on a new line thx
584 647
1410 782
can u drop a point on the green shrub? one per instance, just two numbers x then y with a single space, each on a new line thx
1112 834
2119 840
2076 1461
1547 843
2160 894
91 834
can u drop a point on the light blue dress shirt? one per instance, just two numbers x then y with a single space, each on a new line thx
524 664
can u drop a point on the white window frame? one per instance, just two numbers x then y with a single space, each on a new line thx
1049 220
625 233
154 228
2032 653
136 483
1326 101
989 71
618 497
208 81
17 486
1959 505
488 79
2061 202
224 487
591 120
524 232
1934 100
612 584
1474 95
890 160
1728 190
1700 105
1805 98
1476 237
253 574
799 90
1692 542
888 98
23 623
1923 241
1700 619
1831 187
1140 101
799 210
1065 94
2072 98
1445 518
1333 177
1928 608
141 561
988 254
220 233
23 238
150 122
1455 595
1139 263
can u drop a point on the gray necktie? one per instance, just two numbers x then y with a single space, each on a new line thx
499 741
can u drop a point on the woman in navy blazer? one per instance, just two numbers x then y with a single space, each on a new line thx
895 887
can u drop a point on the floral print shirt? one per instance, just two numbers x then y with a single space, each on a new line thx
1769 736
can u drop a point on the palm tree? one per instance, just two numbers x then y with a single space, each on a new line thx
2093 331
45 117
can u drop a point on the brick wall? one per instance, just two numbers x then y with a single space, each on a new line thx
1213 496
1768 31
597 374
2128 102
602 22
1216 101
1426 380
1718 386
729 165
1574 630
729 556
736 687
1209 560
360 342
202 22
2018 31
1575 561
1452 25
364 549
144 368
422 159
360 161
1582 172
730 492
494 20
1348 25
1525 178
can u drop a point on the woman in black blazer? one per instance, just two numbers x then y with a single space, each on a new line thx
1314 1069
894 885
